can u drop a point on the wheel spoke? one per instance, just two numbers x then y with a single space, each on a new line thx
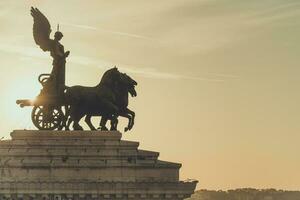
56 114
47 117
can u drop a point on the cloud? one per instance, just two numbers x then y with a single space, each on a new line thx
275 13
30 52
278 9
109 31
22 50
142 71
155 74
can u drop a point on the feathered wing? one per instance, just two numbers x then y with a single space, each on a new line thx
41 29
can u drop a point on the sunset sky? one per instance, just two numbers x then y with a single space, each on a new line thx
219 85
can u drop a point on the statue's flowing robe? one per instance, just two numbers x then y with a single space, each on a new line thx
59 67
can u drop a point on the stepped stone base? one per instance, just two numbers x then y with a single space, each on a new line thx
85 165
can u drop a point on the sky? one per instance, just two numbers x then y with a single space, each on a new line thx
218 80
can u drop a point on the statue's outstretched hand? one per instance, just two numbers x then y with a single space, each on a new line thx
67 53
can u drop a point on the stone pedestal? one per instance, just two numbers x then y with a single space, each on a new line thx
85 165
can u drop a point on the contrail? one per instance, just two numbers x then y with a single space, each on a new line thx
109 31
223 75
30 52
155 74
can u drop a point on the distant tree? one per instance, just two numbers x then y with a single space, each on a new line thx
246 194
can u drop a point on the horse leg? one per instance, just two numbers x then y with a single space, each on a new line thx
132 118
89 123
126 115
67 118
76 118
69 121
76 126
111 110
114 123
102 125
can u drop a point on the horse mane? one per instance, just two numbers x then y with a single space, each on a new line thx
107 77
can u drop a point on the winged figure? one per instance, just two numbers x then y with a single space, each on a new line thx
41 30
41 35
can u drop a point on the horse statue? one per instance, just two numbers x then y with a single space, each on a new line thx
127 85
101 100
58 106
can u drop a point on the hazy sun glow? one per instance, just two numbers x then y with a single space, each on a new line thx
218 81
23 89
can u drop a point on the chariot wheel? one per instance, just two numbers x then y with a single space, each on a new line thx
47 117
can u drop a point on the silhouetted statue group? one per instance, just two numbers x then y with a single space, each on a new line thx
108 99
58 106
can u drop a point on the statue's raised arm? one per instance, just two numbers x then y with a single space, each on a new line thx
41 30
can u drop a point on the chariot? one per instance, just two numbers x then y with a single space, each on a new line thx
48 111
56 104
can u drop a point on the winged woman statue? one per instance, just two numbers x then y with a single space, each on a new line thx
41 35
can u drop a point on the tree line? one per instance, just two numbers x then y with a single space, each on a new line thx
246 194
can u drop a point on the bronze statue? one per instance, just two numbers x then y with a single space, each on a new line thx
108 99
57 106
47 112
122 88
87 100
41 35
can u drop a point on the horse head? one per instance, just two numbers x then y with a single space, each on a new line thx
113 77
129 84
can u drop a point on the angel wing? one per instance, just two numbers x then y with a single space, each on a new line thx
41 29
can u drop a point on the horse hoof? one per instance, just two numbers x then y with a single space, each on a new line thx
78 128
102 129
126 129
